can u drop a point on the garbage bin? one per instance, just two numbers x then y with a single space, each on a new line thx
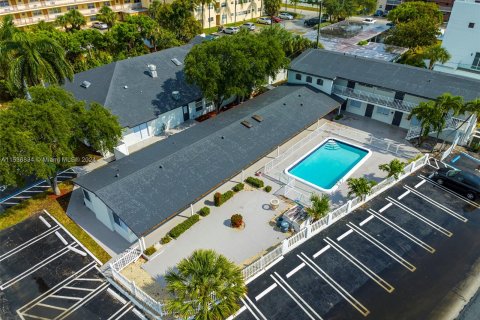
284 226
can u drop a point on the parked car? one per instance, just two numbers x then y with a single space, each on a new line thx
212 36
285 16
264 20
313 21
463 182
100 25
390 24
385 13
250 26
369 20
231 30
276 19
378 13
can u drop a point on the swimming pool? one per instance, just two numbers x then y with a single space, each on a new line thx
328 163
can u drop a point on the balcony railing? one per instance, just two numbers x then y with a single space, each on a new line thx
468 67
374 98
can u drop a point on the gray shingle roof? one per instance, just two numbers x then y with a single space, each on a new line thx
166 177
416 81
145 97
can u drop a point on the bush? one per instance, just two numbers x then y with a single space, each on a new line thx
363 43
166 239
474 146
267 188
220 198
150 250
254 182
236 220
238 187
184 226
205 211
338 116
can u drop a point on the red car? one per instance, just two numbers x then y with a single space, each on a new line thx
276 19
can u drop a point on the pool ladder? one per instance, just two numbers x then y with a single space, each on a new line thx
331 145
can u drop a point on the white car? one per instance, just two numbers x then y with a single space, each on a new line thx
285 16
231 30
264 20
250 26
100 25
369 20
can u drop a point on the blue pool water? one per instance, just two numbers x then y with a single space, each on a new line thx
327 164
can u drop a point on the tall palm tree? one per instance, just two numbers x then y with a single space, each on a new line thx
436 53
72 20
424 112
447 104
107 15
205 285
7 28
320 206
35 59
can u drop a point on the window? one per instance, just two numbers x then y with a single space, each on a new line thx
210 19
141 131
309 79
383 111
37 13
471 25
106 3
355 103
54 10
223 5
198 106
91 6
72 8
93 18
136 1
320 82
128 1
119 221
414 122
86 195
298 76
476 61
4 3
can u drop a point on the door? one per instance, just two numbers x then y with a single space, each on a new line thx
344 105
399 95
397 118
141 131
217 20
351 84
186 114
369 110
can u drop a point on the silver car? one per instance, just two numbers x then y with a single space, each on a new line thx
231 30
100 25
250 26
264 20
285 16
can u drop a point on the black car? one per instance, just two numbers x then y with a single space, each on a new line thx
463 182
313 21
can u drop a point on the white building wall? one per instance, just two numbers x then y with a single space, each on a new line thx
223 12
325 87
167 120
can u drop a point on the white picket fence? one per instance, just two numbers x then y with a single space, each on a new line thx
258 266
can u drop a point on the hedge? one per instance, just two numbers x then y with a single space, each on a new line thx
205 211
166 239
220 198
238 187
254 182
184 226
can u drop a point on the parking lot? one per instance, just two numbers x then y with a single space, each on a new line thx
396 257
46 274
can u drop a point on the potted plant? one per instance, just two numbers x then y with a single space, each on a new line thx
236 221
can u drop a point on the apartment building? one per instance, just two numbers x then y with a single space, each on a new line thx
29 12
462 40
228 11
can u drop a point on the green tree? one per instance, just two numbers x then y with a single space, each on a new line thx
427 114
415 10
107 15
127 40
413 58
205 285
178 18
72 20
272 7
436 53
320 206
7 28
360 187
292 44
393 169
294 2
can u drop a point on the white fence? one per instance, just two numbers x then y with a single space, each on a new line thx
309 231
130 255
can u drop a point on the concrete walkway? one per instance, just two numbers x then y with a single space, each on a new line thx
214 232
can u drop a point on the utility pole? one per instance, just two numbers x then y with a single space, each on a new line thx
319 22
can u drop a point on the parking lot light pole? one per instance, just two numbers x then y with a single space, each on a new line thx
319 22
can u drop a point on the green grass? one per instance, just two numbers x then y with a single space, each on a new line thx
300 7
56 206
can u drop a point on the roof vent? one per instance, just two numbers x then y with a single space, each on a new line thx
117 175
176 95
85 84
246 124
176 62
152 70
125 87
257 118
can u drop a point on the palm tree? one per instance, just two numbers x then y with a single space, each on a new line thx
107 15
72 18
446 104
320 206
360 187
35 59
394 168
205 285
7 28
436 53
426 113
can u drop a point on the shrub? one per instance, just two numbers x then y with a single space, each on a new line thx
363 43
184 226
238 187
254 182
236 220
166 239
338 116
220 198
205 211
150 250
267 188
475 146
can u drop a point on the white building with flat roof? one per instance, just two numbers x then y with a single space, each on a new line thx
462 40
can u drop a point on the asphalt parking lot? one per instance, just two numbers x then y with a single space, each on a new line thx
396 257
46 274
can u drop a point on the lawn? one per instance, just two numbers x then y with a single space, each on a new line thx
56 206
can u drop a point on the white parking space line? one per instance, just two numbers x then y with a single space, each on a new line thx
362 267
295 270
50 306
90 279
61 238
382 247
321 251
120 312
344 235
265 292
420 183
421 218
28 243
81 303
385 207
403 195
402 231
254 307
437 204
116 295
338 288
35 317
249 309
45 221
78 288
459 196
366 220
298 299
80 252
65 297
